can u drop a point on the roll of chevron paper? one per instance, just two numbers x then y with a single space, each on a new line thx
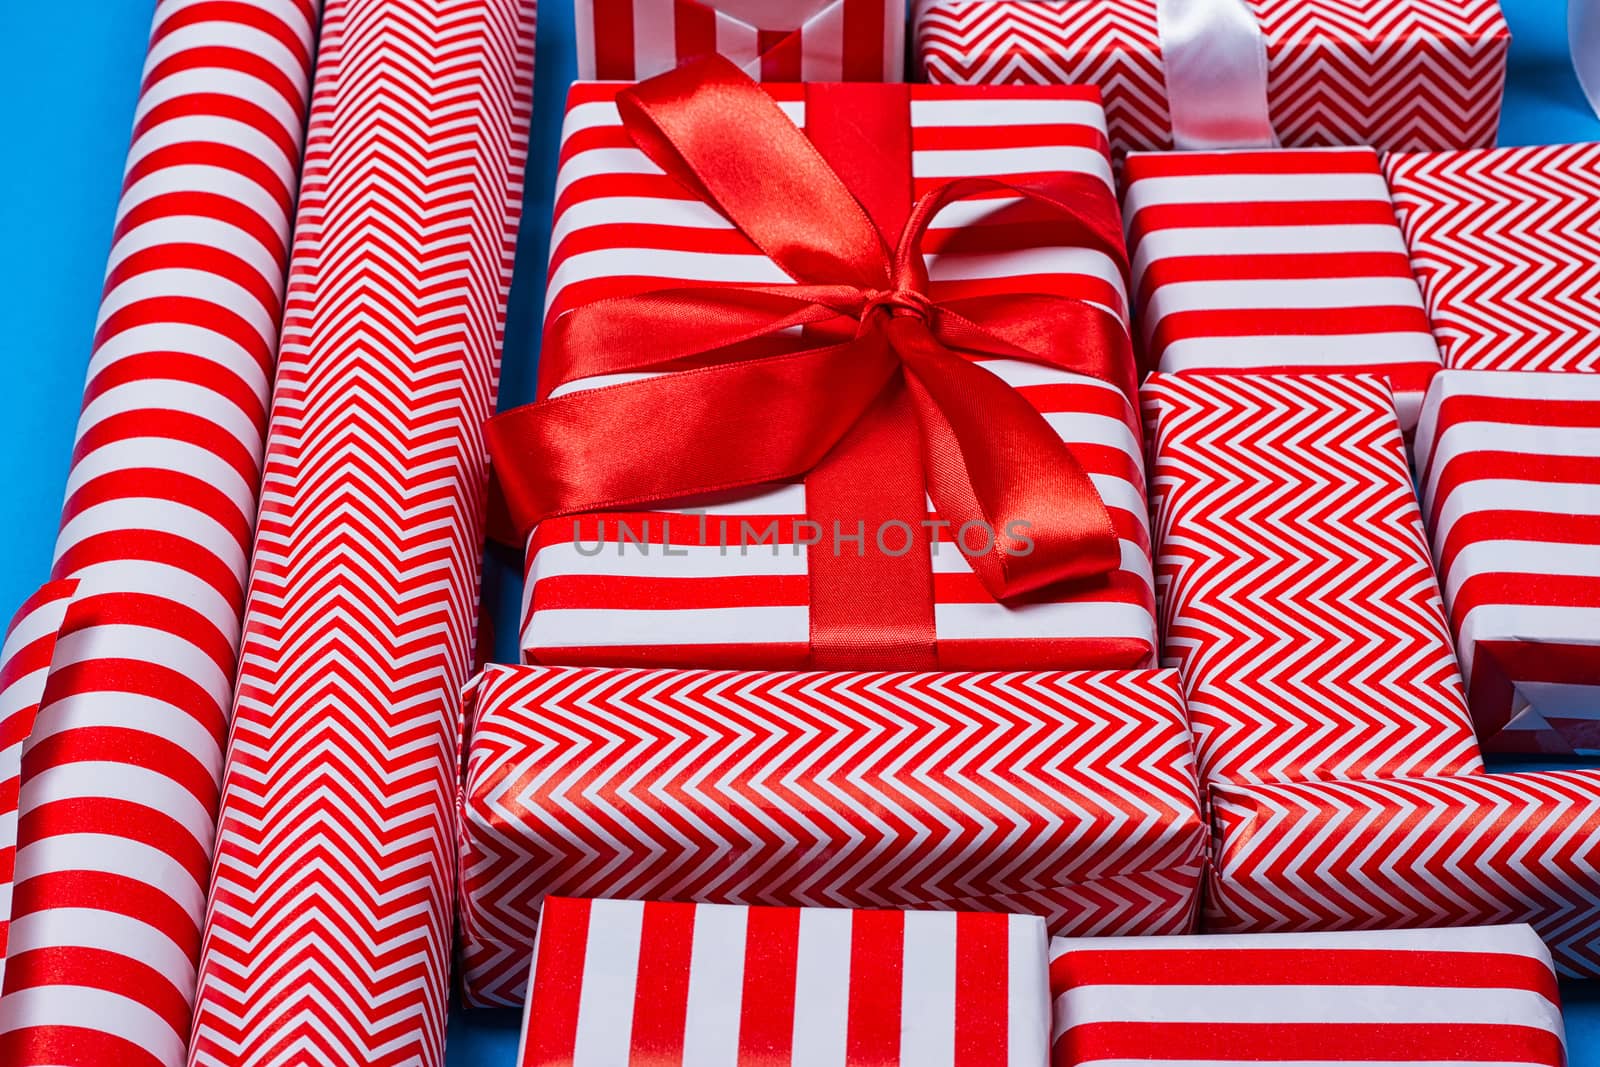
328 938
120 777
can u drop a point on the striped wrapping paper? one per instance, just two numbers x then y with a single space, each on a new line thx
120 779
770 40
328 934
622 981
1298 600
1070 795
30 641
1483 995
1392 73
1275 261
1393 854
1506 244
621 228
1509 465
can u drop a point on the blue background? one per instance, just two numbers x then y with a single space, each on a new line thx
71 80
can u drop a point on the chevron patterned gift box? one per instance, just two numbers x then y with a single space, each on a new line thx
1481 995
1392 73
1067 795
624 981
1506 244
1509 465
1275 261
1299 603
688 591
771 40
1399 853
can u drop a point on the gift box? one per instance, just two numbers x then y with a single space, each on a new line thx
1299 603
1275 261
788 573
1476 995
1503 242
1067 795
623 981
770 40
1396 74
1509 466
1407 852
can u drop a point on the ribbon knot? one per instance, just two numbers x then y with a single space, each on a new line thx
724 389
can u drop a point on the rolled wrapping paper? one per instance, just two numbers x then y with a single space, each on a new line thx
119 780
329 932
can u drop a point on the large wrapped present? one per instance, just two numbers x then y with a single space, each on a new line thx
1504 243
1509 465
624 981
1480 995
951 480
1067 795
771 40
1275 261
1396 74
1299 603
1392 854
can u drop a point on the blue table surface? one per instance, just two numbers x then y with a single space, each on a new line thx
73 80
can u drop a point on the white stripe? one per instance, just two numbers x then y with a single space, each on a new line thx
987 162
163 580
104 780
637 211
928 989
171 229
977 110
1027 973
1526 623
149 513
188 178
1027 264
24 691
738 42
163 396
219 32
1280 294
1302 350
665 265
228 82
610 977
204 285
130 711
822 42
1254 189
197 341
554 628
1285 1005
202 128
123 857
583 25
70 1006
716 986
822 988
149 645
169 455
655 41
102 928
1187 242
992 621
43 620
1521 557
1511 938
1512 494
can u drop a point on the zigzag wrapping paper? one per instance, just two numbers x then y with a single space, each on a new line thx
328 937
770 40
1397 74
622 981
1408 852
621 228
1484 995
1068 795
24 664
1506 244
120 778
1298 600
1275 261
1509 465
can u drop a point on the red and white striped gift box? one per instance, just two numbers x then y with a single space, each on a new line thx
1481 995
1509 465
621 228
1067 795
770 40
1397 74
1505 243
1299 603
1275 261
623 981
1398 853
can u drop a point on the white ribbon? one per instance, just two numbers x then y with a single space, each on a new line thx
1583 37
1214 54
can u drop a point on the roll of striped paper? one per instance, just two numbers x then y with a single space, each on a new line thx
119 780
328 939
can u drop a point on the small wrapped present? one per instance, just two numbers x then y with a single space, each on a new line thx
1509 465
1299 602
763 441
1504 244
770 40
1067 795
1275 261
1396 74
1398 853
1480 995
624 981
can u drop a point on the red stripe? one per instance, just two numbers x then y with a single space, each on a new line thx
865 30
1140 165
983 990
557 986
694 26
613 41
661 997
766 1021
877 951
780 52
1327 1042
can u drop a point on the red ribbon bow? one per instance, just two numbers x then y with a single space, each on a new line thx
725 418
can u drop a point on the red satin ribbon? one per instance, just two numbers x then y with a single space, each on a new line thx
726 419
